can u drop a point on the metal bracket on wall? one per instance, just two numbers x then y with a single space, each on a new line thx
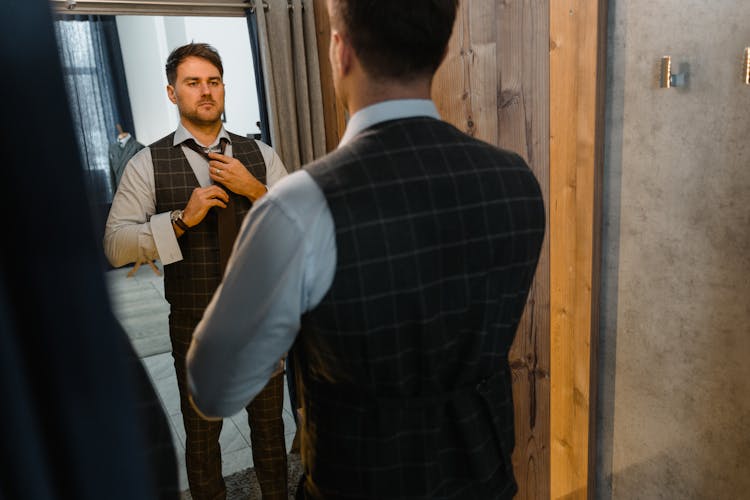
746 66
666 78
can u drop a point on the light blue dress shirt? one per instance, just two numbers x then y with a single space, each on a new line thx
283 263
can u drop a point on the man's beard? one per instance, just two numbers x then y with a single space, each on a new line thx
207 117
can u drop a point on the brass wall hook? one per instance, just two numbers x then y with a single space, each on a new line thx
666 78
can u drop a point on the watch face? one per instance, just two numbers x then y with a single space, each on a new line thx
175 214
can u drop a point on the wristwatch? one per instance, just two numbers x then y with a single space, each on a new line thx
176 217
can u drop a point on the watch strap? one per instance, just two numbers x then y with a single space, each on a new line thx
176 217
181 223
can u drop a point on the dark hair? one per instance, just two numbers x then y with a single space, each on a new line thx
397 38
202 50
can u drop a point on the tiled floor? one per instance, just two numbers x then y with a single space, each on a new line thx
139 304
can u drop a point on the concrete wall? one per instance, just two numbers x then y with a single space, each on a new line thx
674 372
147 41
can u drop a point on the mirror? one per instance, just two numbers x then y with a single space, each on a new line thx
131 95
114 66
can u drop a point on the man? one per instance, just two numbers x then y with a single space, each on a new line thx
182 205
407 255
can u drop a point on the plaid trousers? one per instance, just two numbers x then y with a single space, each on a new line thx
202 450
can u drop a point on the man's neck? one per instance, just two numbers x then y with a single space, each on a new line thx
204 134
367 92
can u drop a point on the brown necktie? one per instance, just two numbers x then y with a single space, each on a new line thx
226 216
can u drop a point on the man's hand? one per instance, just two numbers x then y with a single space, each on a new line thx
201 201
232 173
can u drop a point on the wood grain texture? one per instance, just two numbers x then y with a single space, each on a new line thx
481 64
333 108
450 86
494 85
523 118
577 34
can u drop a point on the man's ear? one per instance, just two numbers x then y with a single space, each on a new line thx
170 94
341 53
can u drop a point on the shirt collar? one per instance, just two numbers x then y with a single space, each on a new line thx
385 111
181 135
123 140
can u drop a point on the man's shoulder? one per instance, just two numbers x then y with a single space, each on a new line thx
240 138
297 196
405 134
141 159
143 153
446 135
164 142
246 144
296 185
338 157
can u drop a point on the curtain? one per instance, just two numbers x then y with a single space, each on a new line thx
291 77
260 87
95 81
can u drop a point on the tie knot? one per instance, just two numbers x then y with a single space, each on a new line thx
219 148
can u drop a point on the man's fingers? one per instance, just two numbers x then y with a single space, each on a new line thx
216 202
208 191
223 196
218 157
217 192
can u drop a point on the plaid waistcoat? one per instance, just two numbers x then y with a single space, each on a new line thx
403 366
190 283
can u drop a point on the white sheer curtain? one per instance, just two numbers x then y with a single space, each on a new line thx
289 56
88 78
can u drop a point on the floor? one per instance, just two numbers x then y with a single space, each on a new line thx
138 302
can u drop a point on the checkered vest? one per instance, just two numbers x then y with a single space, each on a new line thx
190 283
403 366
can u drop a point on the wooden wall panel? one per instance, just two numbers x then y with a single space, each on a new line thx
481 64
465 85
494 86
523 117
450 87
577 43
333 109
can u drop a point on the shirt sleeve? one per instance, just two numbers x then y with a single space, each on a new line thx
164 239
275 169
282 265
129 235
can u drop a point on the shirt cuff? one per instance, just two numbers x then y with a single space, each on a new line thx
165 239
